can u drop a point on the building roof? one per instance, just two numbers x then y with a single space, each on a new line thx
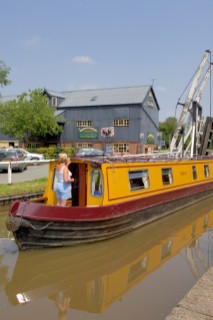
52 93
103 97
59 113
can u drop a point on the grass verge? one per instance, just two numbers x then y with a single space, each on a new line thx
23 187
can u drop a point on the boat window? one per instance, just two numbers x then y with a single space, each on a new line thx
167 176
96 182
138 180
166 249
96 292
206 222
206 170
137 269
194 172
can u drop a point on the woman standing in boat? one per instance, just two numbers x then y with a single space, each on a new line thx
63 187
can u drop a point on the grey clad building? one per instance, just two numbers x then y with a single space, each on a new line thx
122 120
119 120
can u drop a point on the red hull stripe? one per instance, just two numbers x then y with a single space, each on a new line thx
35 211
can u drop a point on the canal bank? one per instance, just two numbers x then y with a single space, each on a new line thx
197 303
30 176
9 199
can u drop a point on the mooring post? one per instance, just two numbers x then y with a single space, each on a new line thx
9 170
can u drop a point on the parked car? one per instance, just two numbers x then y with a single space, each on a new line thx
11 155
89 152
30 156
2 154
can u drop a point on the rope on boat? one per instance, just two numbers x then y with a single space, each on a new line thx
14 223
38 228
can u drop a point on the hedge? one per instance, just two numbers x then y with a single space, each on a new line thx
52 152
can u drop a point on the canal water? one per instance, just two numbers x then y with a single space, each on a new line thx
143 274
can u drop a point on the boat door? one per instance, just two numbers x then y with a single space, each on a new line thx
79 185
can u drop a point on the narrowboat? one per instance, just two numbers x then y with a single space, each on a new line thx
110 196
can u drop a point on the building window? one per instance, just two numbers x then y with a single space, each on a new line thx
84 123
121 147
150 100
194 172
54 102
206 170
120 122
167 176
138 180
84 145
96 183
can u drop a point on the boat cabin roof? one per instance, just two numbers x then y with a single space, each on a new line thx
135 158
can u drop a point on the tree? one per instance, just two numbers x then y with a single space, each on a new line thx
168 128
4 71
29 118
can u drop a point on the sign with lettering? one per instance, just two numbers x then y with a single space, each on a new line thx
150 138
88 133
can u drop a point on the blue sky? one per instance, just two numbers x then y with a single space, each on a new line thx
86 44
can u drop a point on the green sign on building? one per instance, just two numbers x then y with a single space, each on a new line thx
150 138
88 133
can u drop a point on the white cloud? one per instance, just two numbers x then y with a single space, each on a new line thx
161 88
33 41
83 59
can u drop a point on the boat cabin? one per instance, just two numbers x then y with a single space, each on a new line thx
102 181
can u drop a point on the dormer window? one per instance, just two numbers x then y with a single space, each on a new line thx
54 102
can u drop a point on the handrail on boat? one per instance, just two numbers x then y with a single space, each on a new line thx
41 199
148 158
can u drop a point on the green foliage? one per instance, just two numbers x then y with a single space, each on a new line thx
167 129
29 118
52 152
4 71
25 187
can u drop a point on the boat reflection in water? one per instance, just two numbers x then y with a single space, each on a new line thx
93 277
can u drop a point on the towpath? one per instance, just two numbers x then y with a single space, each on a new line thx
32 173
197 303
